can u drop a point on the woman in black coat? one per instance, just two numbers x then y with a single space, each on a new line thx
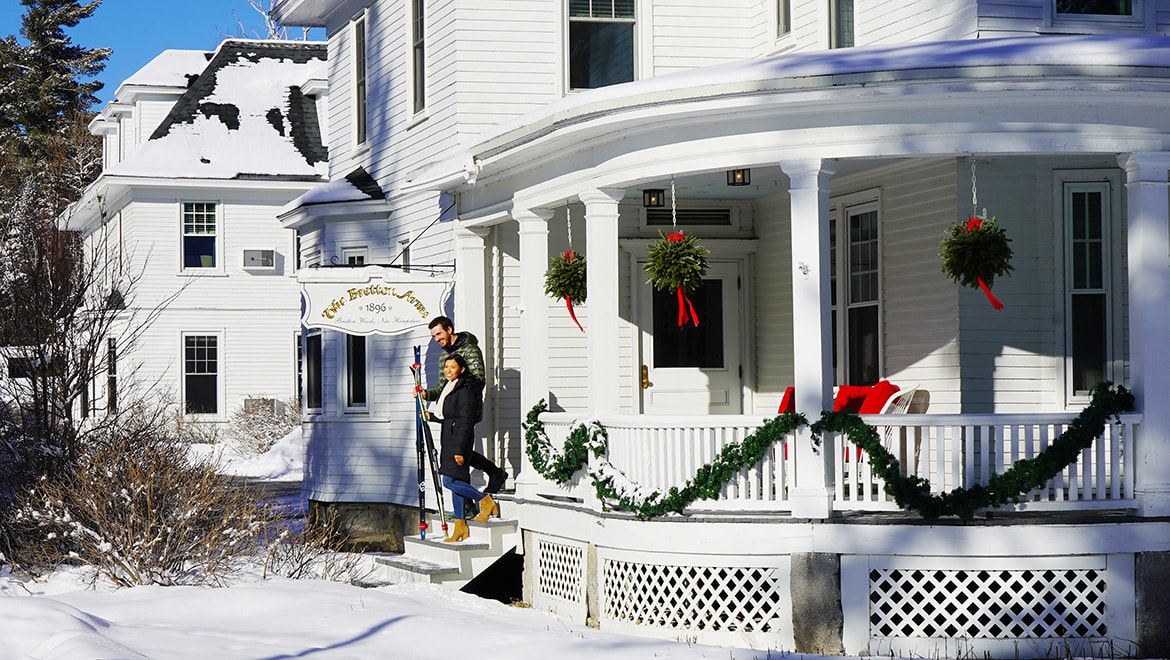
459 406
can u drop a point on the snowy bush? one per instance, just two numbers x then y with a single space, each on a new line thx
300 552
259 423
137 511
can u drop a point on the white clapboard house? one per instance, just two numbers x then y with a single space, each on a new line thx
201 150
820 150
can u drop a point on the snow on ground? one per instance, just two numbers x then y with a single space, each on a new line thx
64 617
61 619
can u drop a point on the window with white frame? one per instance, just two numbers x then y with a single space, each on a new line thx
314 387
418 51
841 24
200 235
1096 7
360 114
783 18
355 371
855 292
201 374
1088 214
1094 15
601 43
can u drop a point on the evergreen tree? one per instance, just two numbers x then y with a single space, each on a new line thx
50 77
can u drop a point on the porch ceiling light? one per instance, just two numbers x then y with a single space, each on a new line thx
739 177
653 198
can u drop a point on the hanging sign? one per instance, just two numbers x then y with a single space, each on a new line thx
370 300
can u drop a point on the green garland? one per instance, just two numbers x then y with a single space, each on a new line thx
561 468
974 250
566 278
910 492
1025 475
676 261
709 480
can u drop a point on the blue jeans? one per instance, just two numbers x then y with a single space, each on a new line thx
461 491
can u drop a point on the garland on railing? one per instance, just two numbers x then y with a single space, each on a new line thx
561 468
910 492
613 487
913 492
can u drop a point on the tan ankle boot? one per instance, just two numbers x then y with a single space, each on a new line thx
487 509
459 533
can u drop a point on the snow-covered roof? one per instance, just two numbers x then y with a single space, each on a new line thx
243 117
357 186
170 68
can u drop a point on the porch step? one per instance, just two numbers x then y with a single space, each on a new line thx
433 561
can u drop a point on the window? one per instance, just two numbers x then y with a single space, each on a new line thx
111 375
1095 7
601 43
359 80
355 371
418 51
199 235
1087 210
354 256
855 261
404 254
201 374
841 24
313 385
783 17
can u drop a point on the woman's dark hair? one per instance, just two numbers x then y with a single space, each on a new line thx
459 360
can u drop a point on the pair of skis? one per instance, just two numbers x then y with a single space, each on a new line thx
425 442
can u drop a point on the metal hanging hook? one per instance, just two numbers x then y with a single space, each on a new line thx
974 191
673 206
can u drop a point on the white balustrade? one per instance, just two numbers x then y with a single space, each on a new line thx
950 451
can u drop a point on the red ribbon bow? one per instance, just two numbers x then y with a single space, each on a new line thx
975 223
675 237
569 255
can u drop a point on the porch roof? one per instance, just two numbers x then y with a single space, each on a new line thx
765 97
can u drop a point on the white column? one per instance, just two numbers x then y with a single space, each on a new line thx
471 281
811 328
533 306
601 244
533 228
1148 245
471 316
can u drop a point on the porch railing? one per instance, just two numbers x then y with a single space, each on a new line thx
951 451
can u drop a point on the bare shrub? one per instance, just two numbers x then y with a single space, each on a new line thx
188 430
259 423
138 512
301 552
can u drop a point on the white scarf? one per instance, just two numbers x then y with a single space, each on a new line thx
438 412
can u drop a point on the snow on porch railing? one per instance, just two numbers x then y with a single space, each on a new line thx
950 451
662 452
960 451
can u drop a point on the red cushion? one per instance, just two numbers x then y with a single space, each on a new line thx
850 398
788 403
877 398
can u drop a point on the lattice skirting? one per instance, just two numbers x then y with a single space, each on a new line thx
995 605
560 576
720 600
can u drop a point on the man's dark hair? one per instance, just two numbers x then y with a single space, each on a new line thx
447 324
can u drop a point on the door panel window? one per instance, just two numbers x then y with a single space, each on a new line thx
689 346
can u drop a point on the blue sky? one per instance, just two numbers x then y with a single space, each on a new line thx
137 30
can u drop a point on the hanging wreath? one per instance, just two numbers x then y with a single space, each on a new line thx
975 253
565 279
677 262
